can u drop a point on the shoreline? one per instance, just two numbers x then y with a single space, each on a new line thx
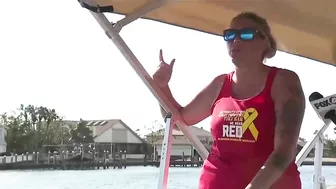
30 165
122 165
325 161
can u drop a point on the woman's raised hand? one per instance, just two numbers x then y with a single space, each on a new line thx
164 72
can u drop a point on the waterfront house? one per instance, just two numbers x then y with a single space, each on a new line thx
180 144
114 135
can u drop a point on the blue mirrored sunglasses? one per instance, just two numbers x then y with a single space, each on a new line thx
245 34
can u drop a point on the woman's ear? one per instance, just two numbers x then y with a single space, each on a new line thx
270 52
272 47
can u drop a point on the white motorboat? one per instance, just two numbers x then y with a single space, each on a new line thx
313 21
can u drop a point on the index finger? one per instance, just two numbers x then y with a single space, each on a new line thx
161 56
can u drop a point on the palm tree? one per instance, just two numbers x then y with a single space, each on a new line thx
82 133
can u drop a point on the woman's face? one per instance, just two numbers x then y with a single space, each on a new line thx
243 48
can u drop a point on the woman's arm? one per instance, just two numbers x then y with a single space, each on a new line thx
289 106
199 108
169 95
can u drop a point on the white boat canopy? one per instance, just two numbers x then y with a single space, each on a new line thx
302 27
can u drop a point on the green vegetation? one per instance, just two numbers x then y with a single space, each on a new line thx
81 134
31 127
330 148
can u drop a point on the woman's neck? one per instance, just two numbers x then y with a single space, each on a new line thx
252 73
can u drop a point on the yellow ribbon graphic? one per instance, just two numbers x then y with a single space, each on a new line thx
249 116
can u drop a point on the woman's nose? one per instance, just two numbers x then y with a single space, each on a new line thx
236 40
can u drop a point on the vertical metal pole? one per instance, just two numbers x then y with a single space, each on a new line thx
318 179
165 153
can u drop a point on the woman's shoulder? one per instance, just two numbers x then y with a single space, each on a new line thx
286 76
220 79
215 85
286 82
220 76
223 76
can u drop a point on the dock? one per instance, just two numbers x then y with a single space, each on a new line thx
325 161
63 161
79 161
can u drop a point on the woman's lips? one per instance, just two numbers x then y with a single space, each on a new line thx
235 50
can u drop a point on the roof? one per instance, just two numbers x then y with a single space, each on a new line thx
178 135
195 130
101 126
301 27
175 141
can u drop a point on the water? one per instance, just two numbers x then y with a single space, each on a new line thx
130 178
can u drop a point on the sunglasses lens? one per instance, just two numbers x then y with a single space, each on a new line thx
247 34
229 35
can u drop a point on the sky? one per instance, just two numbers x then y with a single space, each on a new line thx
56 55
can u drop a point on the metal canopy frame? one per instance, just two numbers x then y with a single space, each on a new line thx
112 31
322 107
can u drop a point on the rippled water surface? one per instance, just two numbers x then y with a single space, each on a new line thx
130 178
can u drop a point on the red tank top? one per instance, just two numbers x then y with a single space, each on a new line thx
243 133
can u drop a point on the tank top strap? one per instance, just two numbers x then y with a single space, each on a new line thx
226 89
270 80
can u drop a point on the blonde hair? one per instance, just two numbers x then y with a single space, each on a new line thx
264 27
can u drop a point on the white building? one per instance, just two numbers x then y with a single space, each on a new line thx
181 145
114 135
3 143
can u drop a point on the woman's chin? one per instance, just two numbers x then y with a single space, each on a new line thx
235 58
238 61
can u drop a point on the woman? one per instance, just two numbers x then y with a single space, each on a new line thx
256 112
